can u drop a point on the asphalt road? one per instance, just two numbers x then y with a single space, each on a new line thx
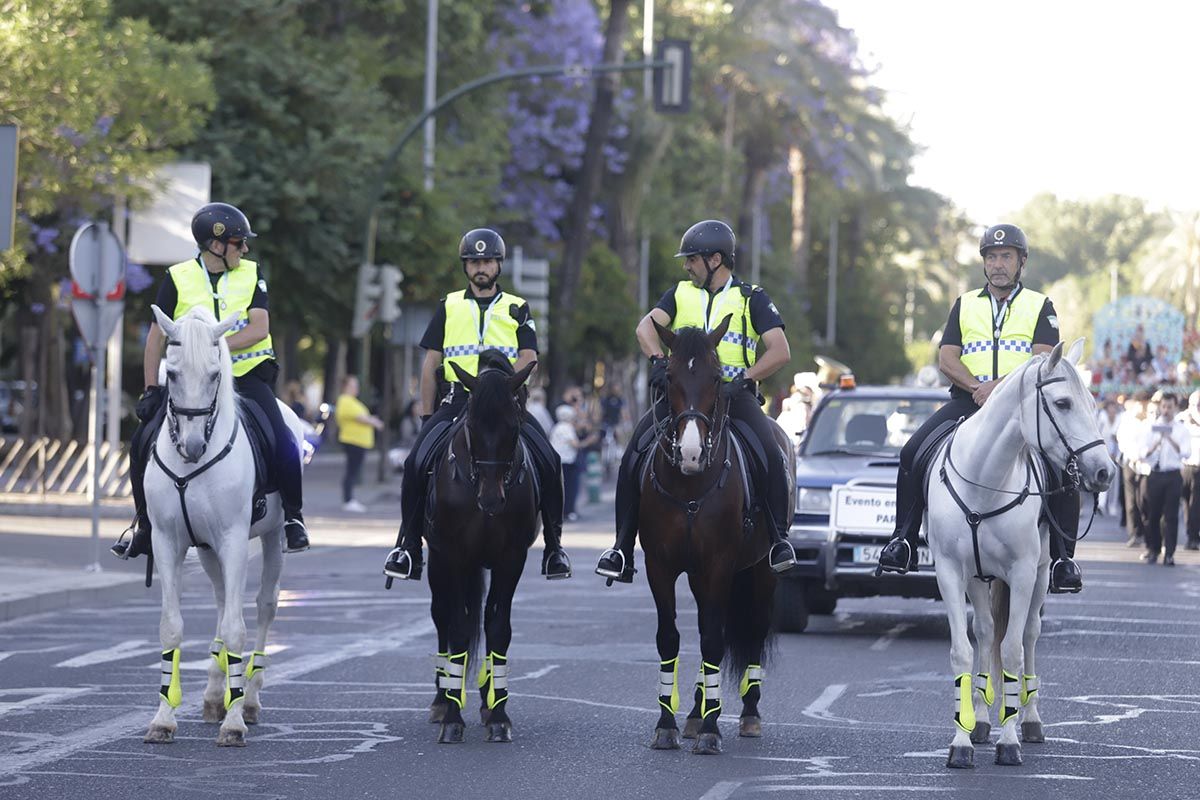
858 706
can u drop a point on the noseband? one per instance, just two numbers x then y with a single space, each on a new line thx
668 438
174 412
1072 466
509 473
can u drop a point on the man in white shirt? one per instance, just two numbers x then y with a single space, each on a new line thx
1164 445
1191 473
1108 418
1129 442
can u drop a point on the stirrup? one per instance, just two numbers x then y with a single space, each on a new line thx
412 573
120 548
891 567
555 576
287 548
623 575
783 565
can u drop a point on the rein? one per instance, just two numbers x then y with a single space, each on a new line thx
692 507
181 483
975 518
174 412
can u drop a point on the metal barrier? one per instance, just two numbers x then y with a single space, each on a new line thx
60 468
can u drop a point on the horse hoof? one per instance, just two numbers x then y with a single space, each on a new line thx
707 744
452 733
437 712
485 715
1008 755
250 714
231 738
691 728
982 731
961 758
1032 733
214 711
665 739
750 727
159 734
500 732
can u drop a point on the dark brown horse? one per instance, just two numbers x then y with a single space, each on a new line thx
483 515
695 519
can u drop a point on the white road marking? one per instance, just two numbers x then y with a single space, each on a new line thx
819 708
537 673
885 641
41 695
118 652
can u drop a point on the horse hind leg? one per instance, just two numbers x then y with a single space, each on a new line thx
214 690
984 695
750 624
1032 731
267 605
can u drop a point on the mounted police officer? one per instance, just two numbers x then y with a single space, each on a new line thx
990 332
220 276
469 321
754 348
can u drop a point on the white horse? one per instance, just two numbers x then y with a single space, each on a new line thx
199 492
991 464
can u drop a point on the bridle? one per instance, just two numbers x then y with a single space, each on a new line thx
174 412
668 437
510 474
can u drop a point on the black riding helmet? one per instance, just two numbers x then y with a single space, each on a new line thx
220 222
481 243
704 239
1004 235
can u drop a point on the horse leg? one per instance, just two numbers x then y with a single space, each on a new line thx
762 581
214 691
711 618
984 694
267 604
1031 720
950 582
1008 749
493 673
170 633
448 585
440 609
232 555
662 586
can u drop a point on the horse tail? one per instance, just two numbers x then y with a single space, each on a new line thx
475 591
1000 602
749 635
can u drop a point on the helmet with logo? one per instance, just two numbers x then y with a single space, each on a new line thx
481 243
708 237
222 222
1004 235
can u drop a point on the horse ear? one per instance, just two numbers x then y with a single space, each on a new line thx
223 327
468 380
166 323
515 381
1075 352
1055 356
667 335
718 333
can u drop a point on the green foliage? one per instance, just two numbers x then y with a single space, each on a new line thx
605 315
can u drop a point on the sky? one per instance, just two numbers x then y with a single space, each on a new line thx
1014 98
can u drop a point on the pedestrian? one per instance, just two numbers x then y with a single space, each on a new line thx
1108 418
1133 469
218 275
535 406
1165 442
356 431
754 348
1190 493
989 333
467 322
566 442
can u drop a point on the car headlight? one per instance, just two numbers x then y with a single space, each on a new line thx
812 501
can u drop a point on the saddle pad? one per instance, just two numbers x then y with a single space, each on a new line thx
262 446
930 446
753 448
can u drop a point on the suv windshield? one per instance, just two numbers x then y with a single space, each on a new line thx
867 425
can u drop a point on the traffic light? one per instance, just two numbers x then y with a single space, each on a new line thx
366 300
673 83
390 293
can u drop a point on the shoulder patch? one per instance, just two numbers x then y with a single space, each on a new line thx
1053 322
774 310
262 285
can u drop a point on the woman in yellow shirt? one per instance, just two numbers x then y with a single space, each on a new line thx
356 432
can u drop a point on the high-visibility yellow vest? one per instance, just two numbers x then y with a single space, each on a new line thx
989 354
235 290
737 348
461 340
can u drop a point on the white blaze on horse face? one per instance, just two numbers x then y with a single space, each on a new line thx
690 448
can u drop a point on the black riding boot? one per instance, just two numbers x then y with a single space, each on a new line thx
139 529
1065 575
404 561
555 564
900 554
616 563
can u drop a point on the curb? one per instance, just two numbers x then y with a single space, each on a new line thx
122 587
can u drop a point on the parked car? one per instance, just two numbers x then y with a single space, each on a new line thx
846 500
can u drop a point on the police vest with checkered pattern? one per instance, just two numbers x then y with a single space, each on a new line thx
462 341
737 347
234 292
989 356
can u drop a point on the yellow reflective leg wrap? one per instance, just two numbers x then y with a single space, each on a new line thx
170 688
753 676
668 684
983 685
485 672
235 680
1029 686
497 679
220 654
451 681
964 709
257 663
1012 698
711 700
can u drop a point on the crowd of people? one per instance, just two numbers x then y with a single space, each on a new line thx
1142 363
1157 446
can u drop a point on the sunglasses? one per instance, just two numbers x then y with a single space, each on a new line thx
238 243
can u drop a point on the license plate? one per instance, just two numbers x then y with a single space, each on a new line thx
869 554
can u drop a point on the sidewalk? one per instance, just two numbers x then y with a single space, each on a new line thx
46 551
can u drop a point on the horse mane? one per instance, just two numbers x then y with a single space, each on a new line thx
693 343
195 342
492 358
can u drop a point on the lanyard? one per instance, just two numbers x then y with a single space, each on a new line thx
487 315
1000 310
718 301
217 296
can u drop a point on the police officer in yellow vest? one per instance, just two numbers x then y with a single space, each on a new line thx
754 348
990 332
468 322
219 276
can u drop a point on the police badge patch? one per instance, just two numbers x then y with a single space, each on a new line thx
262 285
1053 322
